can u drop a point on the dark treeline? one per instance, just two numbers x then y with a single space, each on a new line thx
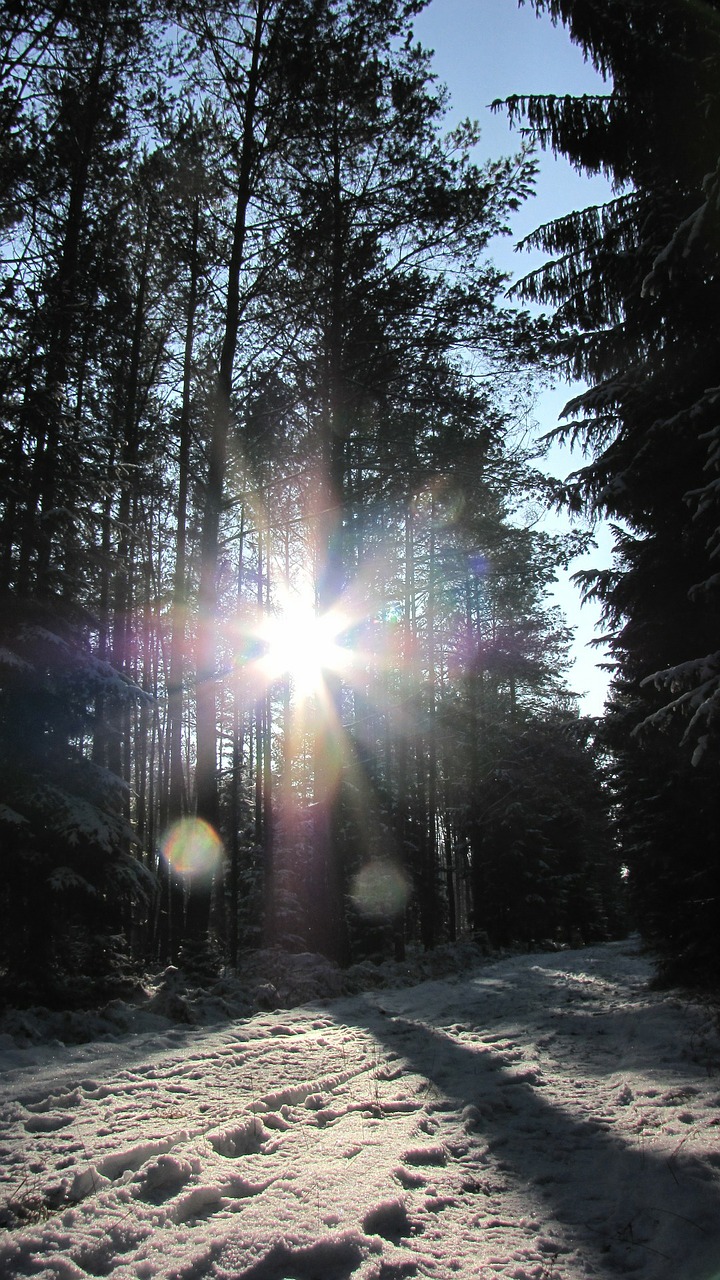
257 363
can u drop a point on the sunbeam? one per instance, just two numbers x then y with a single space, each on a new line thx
303 644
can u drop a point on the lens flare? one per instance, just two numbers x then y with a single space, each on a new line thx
479 565
304 645
380 890
192 848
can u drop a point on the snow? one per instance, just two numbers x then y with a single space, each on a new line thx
540 1117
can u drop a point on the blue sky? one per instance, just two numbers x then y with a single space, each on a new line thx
488 49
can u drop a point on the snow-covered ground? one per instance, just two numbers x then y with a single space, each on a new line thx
544 1116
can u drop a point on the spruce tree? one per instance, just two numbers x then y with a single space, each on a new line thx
635 290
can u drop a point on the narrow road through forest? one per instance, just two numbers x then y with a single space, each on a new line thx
547 1117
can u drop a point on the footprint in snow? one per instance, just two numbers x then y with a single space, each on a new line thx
245 1139
409 1178
338 1255
426 1155
388 1219
162 1177
198 1203
426 1125
48 1123
54 1101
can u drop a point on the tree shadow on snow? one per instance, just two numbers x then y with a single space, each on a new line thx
622 1206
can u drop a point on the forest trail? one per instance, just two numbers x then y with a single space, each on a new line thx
547 1117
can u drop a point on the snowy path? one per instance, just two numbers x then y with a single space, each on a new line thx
546 1117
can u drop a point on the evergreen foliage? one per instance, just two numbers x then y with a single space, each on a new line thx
70 878
635 290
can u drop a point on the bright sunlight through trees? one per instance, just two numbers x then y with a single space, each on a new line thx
302 644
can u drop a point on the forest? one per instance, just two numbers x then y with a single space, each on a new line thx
279 665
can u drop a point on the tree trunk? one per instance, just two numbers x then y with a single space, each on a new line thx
206 720
329 924
48 410
121 589
177 793
206 770
428 904
236 779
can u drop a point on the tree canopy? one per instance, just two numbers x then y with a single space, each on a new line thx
275 626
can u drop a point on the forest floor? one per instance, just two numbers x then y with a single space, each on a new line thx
543 1117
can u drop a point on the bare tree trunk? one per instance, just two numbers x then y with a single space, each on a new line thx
403 802
329 925
99 751
172 895
259 711
39 532
474 693
428 904
449 846
236 780
121 588
177 797
206 772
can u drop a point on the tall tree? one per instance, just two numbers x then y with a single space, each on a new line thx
381 213
635 283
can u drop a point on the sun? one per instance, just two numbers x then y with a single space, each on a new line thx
303 645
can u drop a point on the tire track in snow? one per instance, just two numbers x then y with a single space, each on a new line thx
169 1097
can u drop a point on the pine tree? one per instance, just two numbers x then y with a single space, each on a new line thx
381 216
73 98
71 878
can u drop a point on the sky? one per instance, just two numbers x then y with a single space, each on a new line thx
528 1118
489 49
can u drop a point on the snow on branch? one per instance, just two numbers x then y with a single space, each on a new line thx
701 700
11 818
10 659
691 231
